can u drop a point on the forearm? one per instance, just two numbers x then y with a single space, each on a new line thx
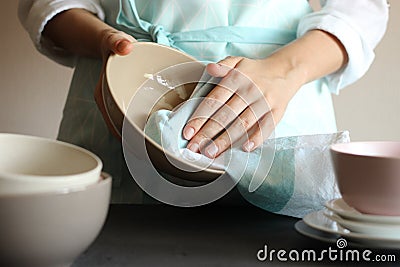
310 57
77 31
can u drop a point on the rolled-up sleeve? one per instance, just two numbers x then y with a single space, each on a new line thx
34 14
359 25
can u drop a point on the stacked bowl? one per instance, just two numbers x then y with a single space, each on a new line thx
368 176
53 201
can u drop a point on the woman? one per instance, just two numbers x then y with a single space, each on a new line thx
295 57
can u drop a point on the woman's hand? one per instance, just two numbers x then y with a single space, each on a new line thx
251 97
112 42
117 42
84 34
253 94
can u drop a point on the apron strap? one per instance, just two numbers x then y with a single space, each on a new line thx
236 34
129 20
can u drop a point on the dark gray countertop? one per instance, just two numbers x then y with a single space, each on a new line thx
212 235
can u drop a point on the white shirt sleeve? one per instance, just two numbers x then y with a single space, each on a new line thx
359 25
34 14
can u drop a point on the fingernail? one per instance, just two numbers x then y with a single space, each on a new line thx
248 146
122 45
193 147
188 133
212 150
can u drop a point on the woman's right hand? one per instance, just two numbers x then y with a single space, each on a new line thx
112 42
82 33
115 42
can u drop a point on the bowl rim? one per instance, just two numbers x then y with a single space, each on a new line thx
7 175
141 131
104 179
339 148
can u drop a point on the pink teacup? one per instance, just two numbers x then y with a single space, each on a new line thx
368 175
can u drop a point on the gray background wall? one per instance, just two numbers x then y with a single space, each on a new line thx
33 89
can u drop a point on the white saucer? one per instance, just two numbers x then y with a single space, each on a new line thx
345 211
308 231
371 229
317 220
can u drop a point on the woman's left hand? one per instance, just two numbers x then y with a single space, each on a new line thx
251 97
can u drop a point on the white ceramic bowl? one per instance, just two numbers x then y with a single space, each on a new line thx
51 229
132 85
31 164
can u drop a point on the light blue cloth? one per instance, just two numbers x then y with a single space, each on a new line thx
268 177
208 31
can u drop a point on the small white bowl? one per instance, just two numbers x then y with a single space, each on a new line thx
31 164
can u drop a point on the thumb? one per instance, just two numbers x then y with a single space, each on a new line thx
223 67
117 42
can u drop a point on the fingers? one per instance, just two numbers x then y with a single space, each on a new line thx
246 121
261 131
223 67
236 108
223 117
214 100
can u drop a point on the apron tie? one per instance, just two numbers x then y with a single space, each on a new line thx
129 20
159 35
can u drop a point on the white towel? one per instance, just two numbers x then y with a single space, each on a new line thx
288 175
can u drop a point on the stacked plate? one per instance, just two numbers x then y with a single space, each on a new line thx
341 220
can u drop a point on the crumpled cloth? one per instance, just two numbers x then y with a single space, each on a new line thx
287 175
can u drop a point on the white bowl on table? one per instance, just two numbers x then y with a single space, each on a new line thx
53 228
53 201
31 164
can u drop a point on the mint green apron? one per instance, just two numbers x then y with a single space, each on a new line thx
209 31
